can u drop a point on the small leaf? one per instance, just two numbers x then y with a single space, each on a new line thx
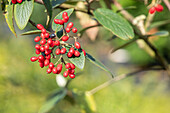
57 27
97 63
60 33
33 32
78 61
56 3
53 100
161 33
22 13
9 17
115 23
90 101
48 6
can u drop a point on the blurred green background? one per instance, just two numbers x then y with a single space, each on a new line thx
24 86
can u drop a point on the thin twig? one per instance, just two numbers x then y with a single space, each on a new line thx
32 23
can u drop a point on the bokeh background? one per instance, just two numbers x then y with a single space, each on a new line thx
24 86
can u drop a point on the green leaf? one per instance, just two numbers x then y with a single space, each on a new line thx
9 18
56 3
158 24
115 23
22 13
48 6
60 33
33 32
161 33
57 27
97 63
78 61
53 100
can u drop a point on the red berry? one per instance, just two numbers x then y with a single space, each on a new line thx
56 21
65 19
77 45
64 14
72 66
54 70
42 35
74 30
67 66
46 62
65 74
76 53
48 57
37 51
71 71
61 22
63 50
43 41
57 42
19 1
57 52
46 35
49 41
33 59
59 68
84 52
72 76
69 55
49 70
48 51
37 46
39 26
52 44
159 8
46 46
65 38
41 58
43 30
14 1
51 65
70 25
37 39
41 64
68 29
42 48
71 50
152 10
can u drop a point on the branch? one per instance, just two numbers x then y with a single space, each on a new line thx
32 23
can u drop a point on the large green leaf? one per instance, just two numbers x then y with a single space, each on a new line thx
97 63
56 3
115 23
33 32
9 17
48 6
57 27
22 13
53 100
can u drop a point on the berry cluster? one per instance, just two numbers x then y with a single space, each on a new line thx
16 1
158 8
49 42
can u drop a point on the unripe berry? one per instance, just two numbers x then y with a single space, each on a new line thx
67 66
42 49
46 46
65 74
65 38
76 53
57 42
49 70
39 26
49 41
71 71
33 59
19 1
37 39
159 8
68 29
48 57
72 66
70 25
14 1
41 64
57 52
51 65
59 68
37 51
46 35
74 30
71 50
43 30
64 14
63 50
69 55
37 46
84 52
43 41
52 35
77 45
152 10
54 70
46 62
56 21
72 76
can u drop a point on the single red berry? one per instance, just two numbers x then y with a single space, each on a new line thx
64 14
48 51
77 45
43 42
42 48
72 66
46 46
48 57
51 65
43 30
59 68
61 22
33 59
57 52
71 50
57 42
46 35
67 66
65 19
159 8
63 50
84 52
39 26
69 55
65 74
68 29
42 35
74 30
65 38
37 39
52 44
37 46
49 70
71 71
46 62
70 25
49 41
76 53
41 58
72 76
152 10
41 64
56 21
14 1
37 51
55 70
19 1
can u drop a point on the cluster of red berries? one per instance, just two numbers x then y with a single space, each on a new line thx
16 1
158 8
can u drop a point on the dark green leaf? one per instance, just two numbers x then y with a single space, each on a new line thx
56 3
53 100
161 33
97 63
57 27
60 33
33 32
22 13
48 6
115 23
